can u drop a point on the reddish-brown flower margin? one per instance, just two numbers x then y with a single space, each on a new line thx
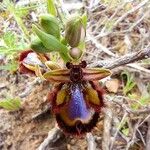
29 68
76 98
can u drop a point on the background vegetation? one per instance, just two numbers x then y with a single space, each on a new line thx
116 29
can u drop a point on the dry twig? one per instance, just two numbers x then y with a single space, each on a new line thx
107 127
91 141
131 11
148 137
123 60
99 46
117 131
53 136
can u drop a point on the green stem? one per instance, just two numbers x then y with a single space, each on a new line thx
12 9
22 28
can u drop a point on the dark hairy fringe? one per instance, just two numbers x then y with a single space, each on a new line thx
79 128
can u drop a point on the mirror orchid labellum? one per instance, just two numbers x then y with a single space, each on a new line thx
77 98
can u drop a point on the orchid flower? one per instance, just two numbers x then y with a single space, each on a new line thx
28 60
76 97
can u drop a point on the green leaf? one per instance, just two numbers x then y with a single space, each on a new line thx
84 20
9 67
50 24
51 7
9 39
11 104
139 102
125 131
145 100
130 84
51 43
37 46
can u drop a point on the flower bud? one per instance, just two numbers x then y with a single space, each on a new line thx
75 53
74 31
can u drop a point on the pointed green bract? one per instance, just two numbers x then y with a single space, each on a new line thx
50 24
84 20
51 43
51 7
38 46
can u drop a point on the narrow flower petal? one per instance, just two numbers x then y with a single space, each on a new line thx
52 65
60 75
38 72
91 74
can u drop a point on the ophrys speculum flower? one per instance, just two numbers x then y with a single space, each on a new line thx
29 59
77 98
